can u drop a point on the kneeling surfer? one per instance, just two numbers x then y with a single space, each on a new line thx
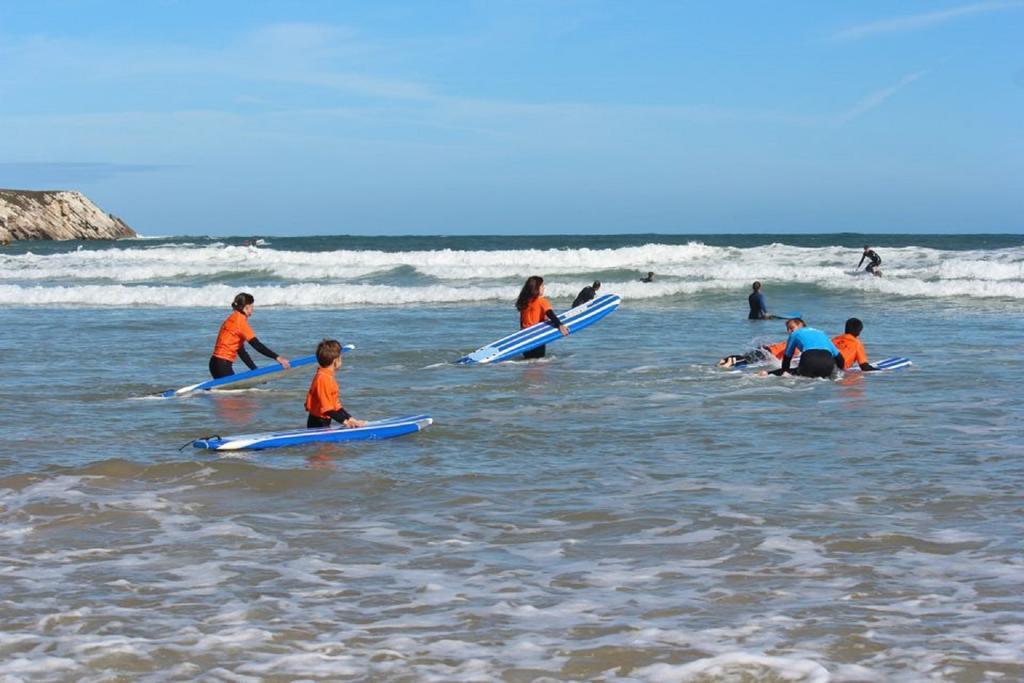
533 307
231 338
322 401
819 356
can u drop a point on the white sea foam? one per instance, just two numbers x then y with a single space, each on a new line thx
737 666
330 295
180 275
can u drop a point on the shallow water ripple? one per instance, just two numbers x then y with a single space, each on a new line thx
621 511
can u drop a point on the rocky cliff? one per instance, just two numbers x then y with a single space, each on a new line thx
58 215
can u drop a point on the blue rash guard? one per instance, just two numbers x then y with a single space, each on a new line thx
807 339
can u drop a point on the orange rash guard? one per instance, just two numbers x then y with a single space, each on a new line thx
322 396
534 312
777 350
234 332
851 348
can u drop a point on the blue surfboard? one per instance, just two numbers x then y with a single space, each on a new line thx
893 363
250 378
379 429
575 319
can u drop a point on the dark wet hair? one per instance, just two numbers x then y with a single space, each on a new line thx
597 284
854 326
866 247
799 321
529 292
242 299
326 351
757 285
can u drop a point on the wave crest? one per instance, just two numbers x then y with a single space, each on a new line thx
209 275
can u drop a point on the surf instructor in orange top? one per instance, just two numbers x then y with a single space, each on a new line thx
234 332
533 307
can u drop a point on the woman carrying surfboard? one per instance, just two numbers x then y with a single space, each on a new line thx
234 332
533 307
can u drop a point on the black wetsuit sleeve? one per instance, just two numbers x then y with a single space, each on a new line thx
786 360
553 319
340 414
862 257
261 347
246 358
868 367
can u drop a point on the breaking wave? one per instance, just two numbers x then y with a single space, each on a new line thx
193 275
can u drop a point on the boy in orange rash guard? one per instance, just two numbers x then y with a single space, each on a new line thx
322 401
852 348
533 308
231 338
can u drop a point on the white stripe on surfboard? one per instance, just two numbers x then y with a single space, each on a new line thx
540 332
514 349
235 443
572 315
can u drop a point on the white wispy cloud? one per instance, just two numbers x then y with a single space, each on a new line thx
320 55
917 22
874 100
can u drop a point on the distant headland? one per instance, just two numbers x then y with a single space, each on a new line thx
56 215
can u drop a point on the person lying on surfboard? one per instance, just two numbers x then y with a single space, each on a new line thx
761 353
231 338
533 307
586 294
851 347
322 400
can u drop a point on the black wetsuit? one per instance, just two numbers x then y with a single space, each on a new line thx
875 259
219 367
543 348
585 295
313 421
813 363
816 363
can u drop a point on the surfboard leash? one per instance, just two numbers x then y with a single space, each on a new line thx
202 438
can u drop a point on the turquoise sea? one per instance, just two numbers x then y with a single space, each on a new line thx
621 510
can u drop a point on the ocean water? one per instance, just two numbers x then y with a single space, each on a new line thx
621 510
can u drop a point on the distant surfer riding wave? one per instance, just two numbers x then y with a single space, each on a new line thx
875 261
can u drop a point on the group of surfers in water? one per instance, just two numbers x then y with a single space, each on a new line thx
819 355
323 401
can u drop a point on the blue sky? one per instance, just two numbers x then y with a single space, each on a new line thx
238 118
